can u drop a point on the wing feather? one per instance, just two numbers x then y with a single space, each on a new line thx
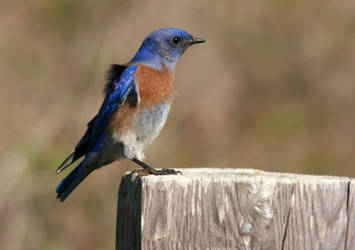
120 85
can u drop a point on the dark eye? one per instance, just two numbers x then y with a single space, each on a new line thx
176 40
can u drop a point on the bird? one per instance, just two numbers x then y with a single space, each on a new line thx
138 97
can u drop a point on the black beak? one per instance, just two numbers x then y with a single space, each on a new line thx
195 40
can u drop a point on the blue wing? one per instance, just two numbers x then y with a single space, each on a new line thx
115 99
120 86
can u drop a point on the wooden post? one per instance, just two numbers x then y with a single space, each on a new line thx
235 209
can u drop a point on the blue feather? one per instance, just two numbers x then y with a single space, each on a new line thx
69 183
123 86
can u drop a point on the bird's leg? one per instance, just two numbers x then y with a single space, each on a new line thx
164 171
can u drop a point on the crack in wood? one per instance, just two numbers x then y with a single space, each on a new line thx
347 214
287 219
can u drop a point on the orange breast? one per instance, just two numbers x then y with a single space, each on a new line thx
154 86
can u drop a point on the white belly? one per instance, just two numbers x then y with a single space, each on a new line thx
146 127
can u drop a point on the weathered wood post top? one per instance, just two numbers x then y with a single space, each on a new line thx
235 209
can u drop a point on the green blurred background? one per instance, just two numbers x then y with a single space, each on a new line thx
273 88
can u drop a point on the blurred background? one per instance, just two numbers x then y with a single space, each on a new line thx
273 89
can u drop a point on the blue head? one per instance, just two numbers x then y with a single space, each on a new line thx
162 48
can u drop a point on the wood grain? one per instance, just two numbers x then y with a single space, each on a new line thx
235 209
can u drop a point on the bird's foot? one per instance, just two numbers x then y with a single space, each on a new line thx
144 172
164 171
150 170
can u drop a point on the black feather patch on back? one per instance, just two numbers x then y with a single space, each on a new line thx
113 74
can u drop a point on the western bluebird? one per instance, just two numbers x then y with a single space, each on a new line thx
138 96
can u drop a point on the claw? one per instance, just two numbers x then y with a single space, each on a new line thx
165 171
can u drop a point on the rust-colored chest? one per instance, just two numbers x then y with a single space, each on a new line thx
154 86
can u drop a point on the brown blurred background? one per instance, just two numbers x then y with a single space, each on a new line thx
273 88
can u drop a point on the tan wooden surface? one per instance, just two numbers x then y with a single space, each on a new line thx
236 209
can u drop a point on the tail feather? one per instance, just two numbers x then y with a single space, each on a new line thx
69 183
66 163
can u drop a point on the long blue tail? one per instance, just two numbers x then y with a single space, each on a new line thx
69 183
